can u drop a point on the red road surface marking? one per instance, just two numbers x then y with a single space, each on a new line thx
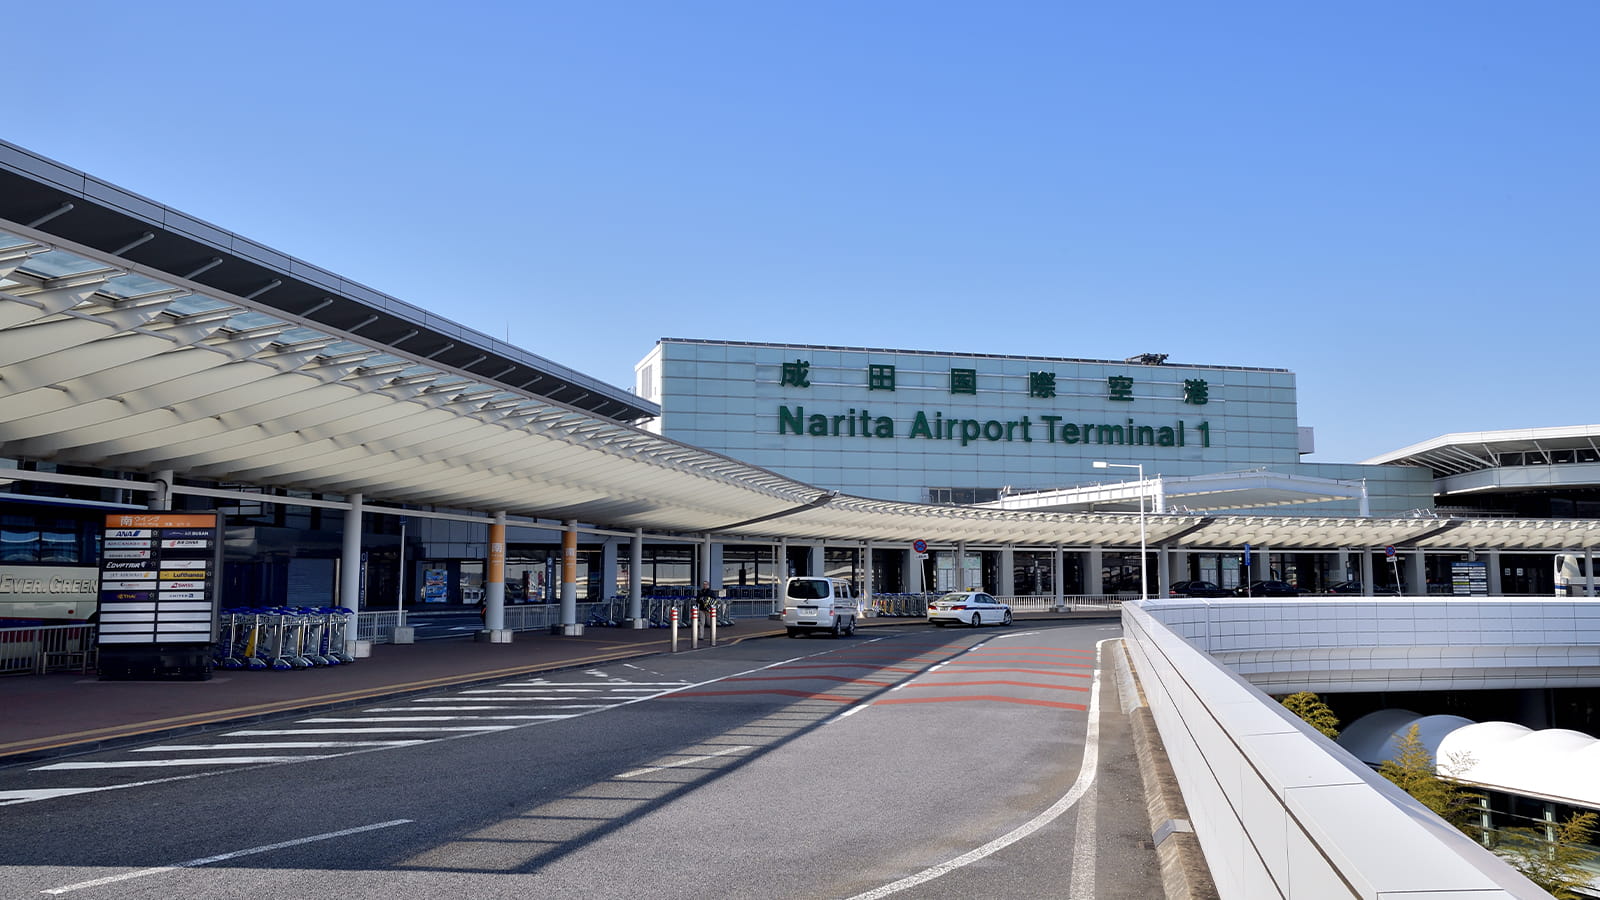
843 678
979 698
1050 687
1021 671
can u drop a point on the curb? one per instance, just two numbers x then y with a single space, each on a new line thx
1184 873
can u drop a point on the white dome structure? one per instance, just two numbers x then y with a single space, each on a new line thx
1376 736
1553 763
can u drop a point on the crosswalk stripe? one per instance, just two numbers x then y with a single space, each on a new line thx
277 745
149 763
295 731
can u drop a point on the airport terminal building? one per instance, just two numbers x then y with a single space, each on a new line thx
964 428
159 361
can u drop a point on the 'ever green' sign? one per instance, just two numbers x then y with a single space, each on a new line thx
1047 429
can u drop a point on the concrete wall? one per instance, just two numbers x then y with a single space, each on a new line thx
1282 811
1398 644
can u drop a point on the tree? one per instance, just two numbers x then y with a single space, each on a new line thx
1310 708
1416 772
1556 865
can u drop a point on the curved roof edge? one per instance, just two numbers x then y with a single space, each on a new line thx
74 206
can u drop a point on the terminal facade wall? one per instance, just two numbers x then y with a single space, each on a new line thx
919 426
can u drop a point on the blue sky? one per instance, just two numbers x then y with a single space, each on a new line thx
1400 202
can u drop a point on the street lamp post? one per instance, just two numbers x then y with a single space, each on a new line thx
1144 584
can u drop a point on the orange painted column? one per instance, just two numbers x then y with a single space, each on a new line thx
569 576
494 587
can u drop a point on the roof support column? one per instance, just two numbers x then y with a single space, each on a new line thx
1344 565
610 550
866 580
494 584
815 562
961 565
1174 566
350 568
1497 587
1058 598
1417 572
780 572
569 579
1366 572
1588 568
1008 572
710 570
1096 575
162 498
910 573
636 579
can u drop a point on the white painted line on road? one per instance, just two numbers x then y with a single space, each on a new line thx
539 689
1086 773
431 708
683 762
156 763
278 745
1081 886
508 699
417 719
444 718
223 857
291 732
9 797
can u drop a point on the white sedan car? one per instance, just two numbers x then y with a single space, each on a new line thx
972 608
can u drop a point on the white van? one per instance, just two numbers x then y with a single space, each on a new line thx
814 603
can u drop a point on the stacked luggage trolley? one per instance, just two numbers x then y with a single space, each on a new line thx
283 638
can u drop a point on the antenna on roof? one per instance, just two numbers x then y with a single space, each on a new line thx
1147 359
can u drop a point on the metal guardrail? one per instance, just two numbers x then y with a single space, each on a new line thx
37 649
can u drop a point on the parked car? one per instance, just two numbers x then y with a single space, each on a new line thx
1267 589
819 605
968 608
1197 589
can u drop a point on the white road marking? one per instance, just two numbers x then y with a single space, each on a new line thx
9 797
290 732
156 763
416 719
683 762
432 708
223 857
277 745
1081 886
1086 774
541 689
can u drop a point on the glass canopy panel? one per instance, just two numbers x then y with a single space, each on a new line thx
133 286
301 334
56 263
194 303
248 320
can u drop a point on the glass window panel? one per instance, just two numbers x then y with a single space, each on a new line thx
19 539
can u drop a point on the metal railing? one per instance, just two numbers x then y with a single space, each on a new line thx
35 650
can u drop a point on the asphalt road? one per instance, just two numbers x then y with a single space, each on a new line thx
904 761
